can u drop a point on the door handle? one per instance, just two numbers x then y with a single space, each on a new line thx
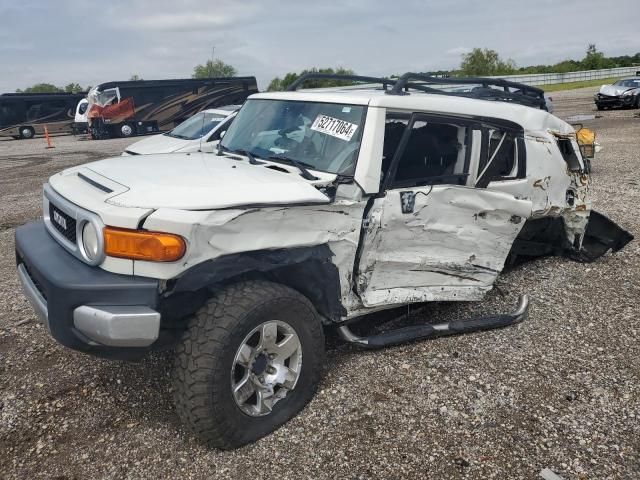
407 201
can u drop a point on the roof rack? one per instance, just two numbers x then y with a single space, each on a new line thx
521 93
334 76
354 78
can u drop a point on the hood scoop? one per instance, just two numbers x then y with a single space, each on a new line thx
94 183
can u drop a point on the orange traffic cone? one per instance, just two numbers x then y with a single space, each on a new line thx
46 135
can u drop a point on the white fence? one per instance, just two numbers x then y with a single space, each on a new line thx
551 78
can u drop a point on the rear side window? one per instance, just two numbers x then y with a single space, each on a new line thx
569 154
502 157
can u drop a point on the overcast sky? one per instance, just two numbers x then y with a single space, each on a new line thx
63 41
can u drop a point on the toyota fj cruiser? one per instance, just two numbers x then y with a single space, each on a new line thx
320 206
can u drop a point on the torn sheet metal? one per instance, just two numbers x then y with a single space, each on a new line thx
450 247
223 232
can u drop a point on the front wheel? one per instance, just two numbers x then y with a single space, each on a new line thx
249 361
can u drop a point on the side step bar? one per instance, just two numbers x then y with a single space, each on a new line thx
422 332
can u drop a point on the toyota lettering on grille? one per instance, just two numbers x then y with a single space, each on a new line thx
59 219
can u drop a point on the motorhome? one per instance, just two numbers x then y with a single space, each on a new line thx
24 115
140 107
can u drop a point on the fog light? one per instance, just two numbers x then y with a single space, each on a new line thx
90 242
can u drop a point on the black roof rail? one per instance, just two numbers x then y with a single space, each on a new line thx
523 94
334 76
354 78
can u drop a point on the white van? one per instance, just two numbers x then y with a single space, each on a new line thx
200 132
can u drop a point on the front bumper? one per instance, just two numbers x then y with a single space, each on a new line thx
84 307
621 101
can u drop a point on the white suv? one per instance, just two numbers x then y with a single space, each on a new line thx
319 207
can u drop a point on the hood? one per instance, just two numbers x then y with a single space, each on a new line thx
202 181
159 144
614 90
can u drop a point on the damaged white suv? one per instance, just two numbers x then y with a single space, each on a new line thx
319 207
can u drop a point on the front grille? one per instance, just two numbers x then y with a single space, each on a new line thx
35 282
63 223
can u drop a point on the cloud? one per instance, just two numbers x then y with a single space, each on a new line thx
457 51
75 41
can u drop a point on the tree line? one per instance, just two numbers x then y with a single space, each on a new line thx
477 62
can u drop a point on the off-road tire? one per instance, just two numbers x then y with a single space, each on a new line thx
600 107
205 355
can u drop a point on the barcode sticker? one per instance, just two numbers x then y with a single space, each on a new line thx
334 127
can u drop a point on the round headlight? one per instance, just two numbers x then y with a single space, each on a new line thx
90 242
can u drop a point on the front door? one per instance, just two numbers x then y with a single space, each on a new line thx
430 235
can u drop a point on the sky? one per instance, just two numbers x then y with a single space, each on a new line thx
89 42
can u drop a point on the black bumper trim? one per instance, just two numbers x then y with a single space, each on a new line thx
67 283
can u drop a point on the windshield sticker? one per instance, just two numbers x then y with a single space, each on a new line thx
334 127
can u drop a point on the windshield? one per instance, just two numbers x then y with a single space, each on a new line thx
321 136
197 126
630 82
104 98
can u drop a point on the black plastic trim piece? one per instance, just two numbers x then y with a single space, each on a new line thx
93 183
306 269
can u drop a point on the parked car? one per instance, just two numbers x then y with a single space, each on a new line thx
320 207
198 133
623 93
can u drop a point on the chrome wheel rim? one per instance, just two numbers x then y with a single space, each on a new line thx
26 133
126 130
266 367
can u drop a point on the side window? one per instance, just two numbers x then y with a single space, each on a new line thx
569 154
215 136
432 152
502 157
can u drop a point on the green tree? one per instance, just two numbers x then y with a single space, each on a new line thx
216 68
594 59
282 83
135 77
41 88
73 88
483 61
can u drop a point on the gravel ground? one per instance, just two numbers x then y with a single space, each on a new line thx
559 391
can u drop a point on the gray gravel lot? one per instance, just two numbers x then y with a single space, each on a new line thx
560 391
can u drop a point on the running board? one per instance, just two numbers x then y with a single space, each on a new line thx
422 332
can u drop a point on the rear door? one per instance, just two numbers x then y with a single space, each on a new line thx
436 232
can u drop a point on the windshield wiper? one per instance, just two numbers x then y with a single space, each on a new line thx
249 155
175 135
306 174
239 151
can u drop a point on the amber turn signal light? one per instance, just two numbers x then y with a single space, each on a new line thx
143 245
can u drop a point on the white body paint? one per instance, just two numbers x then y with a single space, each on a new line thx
450 246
